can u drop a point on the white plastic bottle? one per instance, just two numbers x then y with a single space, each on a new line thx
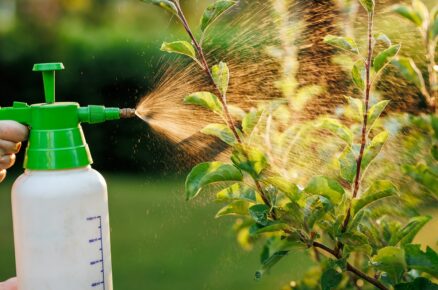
61 230
60 204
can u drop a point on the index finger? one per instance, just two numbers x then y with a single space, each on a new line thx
13 131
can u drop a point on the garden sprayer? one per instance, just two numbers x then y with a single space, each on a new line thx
60 204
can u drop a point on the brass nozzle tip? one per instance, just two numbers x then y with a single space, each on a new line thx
127 113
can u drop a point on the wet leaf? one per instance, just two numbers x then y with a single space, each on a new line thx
377 191
337 128
407 234
214 11
180 47
409 70
249 159
259 213
221 77
290 189
408 13
208 173
330 279
385 57
368 5
358 74
270 262
348 165
250 121
327 187
383 38
345 43
419 283
237 191
422 261
317 206
271 228
390 260
375 112
206 100
165 4
238 207
220 131
373 149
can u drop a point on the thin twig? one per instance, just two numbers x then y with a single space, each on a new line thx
357 178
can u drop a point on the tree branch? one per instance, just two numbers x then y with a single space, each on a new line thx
350 267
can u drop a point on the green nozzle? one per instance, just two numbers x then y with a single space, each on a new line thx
56 139
49 70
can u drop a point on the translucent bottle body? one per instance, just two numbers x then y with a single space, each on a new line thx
61 230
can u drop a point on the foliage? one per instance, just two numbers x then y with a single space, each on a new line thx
334 217
427 24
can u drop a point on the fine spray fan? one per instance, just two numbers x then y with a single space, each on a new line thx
60 204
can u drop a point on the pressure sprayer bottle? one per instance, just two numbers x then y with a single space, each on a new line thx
60 204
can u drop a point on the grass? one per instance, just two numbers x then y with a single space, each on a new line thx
160 241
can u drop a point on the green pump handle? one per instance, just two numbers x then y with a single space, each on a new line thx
56 139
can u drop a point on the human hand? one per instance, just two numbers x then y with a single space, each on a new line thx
11 136
11 284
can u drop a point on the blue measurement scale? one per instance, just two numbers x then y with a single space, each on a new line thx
100 260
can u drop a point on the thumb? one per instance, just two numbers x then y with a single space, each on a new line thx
11 284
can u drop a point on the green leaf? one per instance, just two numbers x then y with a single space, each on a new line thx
220 131
358 74
317 206
249 159
259 213
330 279
238 207
214 11
434 30
180 47
434 123
383 38
237 191
375 112
422 261
357 106
419 283
409 70
377 191
408 13
368 5
271 228
434 152
290 189
390 260
373 149
422 174
270 262
208 173
221 77
206 100
421 10
337 128
327 187
250 121
385 57
165 4
345 43
236 112
407 234
348 165
355 241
